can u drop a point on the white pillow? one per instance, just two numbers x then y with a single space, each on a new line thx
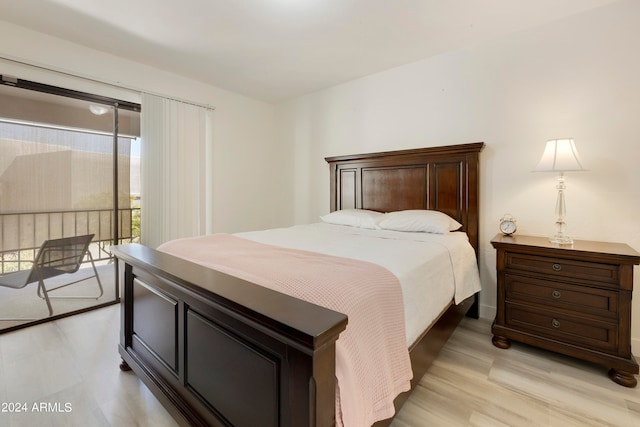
361 218
419 220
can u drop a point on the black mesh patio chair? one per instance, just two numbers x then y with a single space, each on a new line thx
55 257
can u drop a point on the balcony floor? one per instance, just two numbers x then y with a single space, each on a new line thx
24 303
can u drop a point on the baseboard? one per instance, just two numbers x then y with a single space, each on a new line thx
487 312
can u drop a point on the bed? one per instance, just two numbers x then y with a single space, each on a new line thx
184 324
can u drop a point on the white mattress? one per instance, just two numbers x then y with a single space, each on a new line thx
432 269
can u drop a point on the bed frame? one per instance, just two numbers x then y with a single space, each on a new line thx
218 351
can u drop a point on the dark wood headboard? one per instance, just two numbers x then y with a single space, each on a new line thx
442 178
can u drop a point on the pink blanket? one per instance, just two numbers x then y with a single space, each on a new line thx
372 361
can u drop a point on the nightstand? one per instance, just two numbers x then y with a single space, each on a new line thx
571 299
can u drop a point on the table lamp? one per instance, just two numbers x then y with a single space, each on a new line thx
560 155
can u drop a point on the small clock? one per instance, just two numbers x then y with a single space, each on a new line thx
508 224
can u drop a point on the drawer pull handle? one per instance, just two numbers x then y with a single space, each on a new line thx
556 294
556 267
555 323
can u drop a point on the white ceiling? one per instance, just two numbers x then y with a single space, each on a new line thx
278 49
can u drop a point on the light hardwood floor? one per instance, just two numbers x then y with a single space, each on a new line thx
72 365
473 383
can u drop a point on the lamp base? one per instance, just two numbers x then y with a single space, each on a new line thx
561 239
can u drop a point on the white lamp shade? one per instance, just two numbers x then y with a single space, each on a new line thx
560 155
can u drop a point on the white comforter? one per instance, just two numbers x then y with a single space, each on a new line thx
432 268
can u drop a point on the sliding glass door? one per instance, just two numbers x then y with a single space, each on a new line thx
65 171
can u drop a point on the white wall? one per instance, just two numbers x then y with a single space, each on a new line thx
578 77
248 173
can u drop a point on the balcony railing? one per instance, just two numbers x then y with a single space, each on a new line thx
21 234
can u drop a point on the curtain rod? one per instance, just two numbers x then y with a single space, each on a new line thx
95 80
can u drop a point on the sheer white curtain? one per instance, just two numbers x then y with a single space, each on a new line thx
176 170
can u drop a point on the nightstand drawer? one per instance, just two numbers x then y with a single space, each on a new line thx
559 267
547 293
566 328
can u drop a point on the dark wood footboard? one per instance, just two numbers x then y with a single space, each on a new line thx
217 350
